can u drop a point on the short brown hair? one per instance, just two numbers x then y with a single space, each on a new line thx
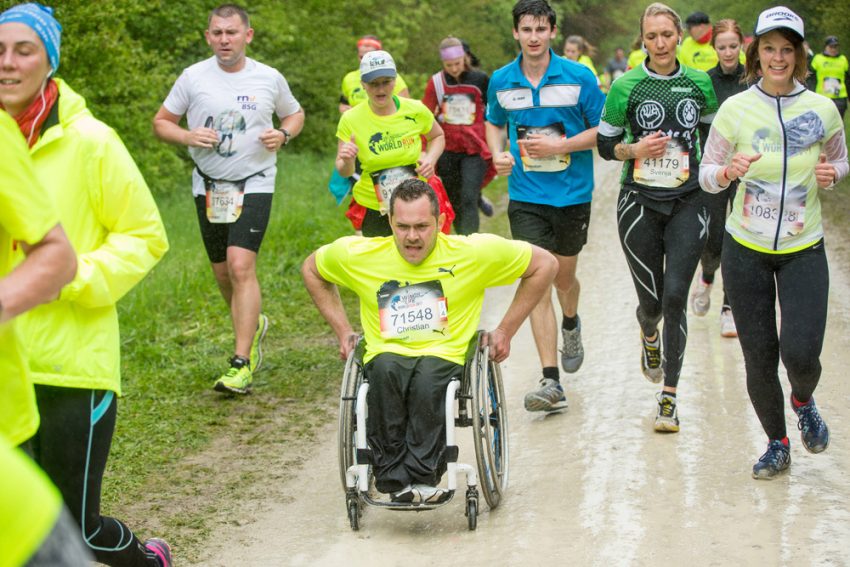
228 10
753 65
411 189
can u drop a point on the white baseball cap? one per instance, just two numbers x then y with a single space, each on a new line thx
779 17
376 64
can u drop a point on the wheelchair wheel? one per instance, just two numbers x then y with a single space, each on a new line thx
490 427
472 514
351 380
354 514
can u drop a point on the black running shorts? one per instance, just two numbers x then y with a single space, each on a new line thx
560 230
247 232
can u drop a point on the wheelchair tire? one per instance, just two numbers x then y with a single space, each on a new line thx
351 379
490 427
472 514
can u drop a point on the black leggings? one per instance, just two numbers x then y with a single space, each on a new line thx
752 280
406 427
72 445
462 176
716 204
663 251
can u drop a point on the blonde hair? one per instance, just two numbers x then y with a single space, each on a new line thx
659 9
584 46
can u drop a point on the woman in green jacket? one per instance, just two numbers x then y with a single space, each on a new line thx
113 224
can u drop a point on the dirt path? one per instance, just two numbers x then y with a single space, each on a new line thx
595 485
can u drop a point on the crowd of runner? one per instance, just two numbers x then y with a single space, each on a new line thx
707 183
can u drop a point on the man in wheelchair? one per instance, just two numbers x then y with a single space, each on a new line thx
421 294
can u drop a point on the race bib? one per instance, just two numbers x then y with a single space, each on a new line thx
831 86
387 180
458 109
668 171
412 312
224 201
761 212
558 162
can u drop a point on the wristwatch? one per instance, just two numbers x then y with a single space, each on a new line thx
286 135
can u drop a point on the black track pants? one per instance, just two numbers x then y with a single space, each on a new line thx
663 251
72 445
406 427
801 279
462 176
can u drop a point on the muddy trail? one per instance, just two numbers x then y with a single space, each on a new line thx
594 485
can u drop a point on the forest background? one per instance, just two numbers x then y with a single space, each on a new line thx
186 460
124 55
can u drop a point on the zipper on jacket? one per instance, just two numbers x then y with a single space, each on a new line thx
784 173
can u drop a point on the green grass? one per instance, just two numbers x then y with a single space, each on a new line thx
176 338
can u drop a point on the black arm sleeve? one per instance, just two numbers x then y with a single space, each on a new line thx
606 145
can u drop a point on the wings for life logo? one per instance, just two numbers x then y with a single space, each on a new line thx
650 114
687 113
381 142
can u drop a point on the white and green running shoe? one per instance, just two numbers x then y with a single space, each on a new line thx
257 344
237 380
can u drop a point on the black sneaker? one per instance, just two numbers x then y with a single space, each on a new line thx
406 495
813 430
775 460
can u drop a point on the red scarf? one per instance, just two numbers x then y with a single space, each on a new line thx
32 119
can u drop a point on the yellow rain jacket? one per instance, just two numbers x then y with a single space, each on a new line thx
113 223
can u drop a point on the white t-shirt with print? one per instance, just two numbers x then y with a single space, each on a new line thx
239 107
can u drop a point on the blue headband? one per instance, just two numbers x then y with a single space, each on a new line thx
40 19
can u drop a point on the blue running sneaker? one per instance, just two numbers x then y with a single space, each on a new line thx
775 460
160 549
549 397
813 430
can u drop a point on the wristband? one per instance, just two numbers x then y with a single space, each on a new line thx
286 135
725 175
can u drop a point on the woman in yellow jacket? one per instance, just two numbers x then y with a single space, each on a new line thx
113 224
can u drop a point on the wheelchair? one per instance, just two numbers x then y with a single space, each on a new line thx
475 400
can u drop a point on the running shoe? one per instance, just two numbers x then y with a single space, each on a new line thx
237 380
667 418
572 355
427 494
549 397
701 297
727 324
257 343
813 430
485 205
404 496
650 359
160 549
775 460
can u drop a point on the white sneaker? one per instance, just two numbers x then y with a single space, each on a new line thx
727 324
701 297
429 494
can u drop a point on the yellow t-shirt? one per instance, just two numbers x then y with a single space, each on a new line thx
431 309
353 92
26 215
388 146
636 57
700 56
29 506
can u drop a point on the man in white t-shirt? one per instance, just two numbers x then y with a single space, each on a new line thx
229 101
